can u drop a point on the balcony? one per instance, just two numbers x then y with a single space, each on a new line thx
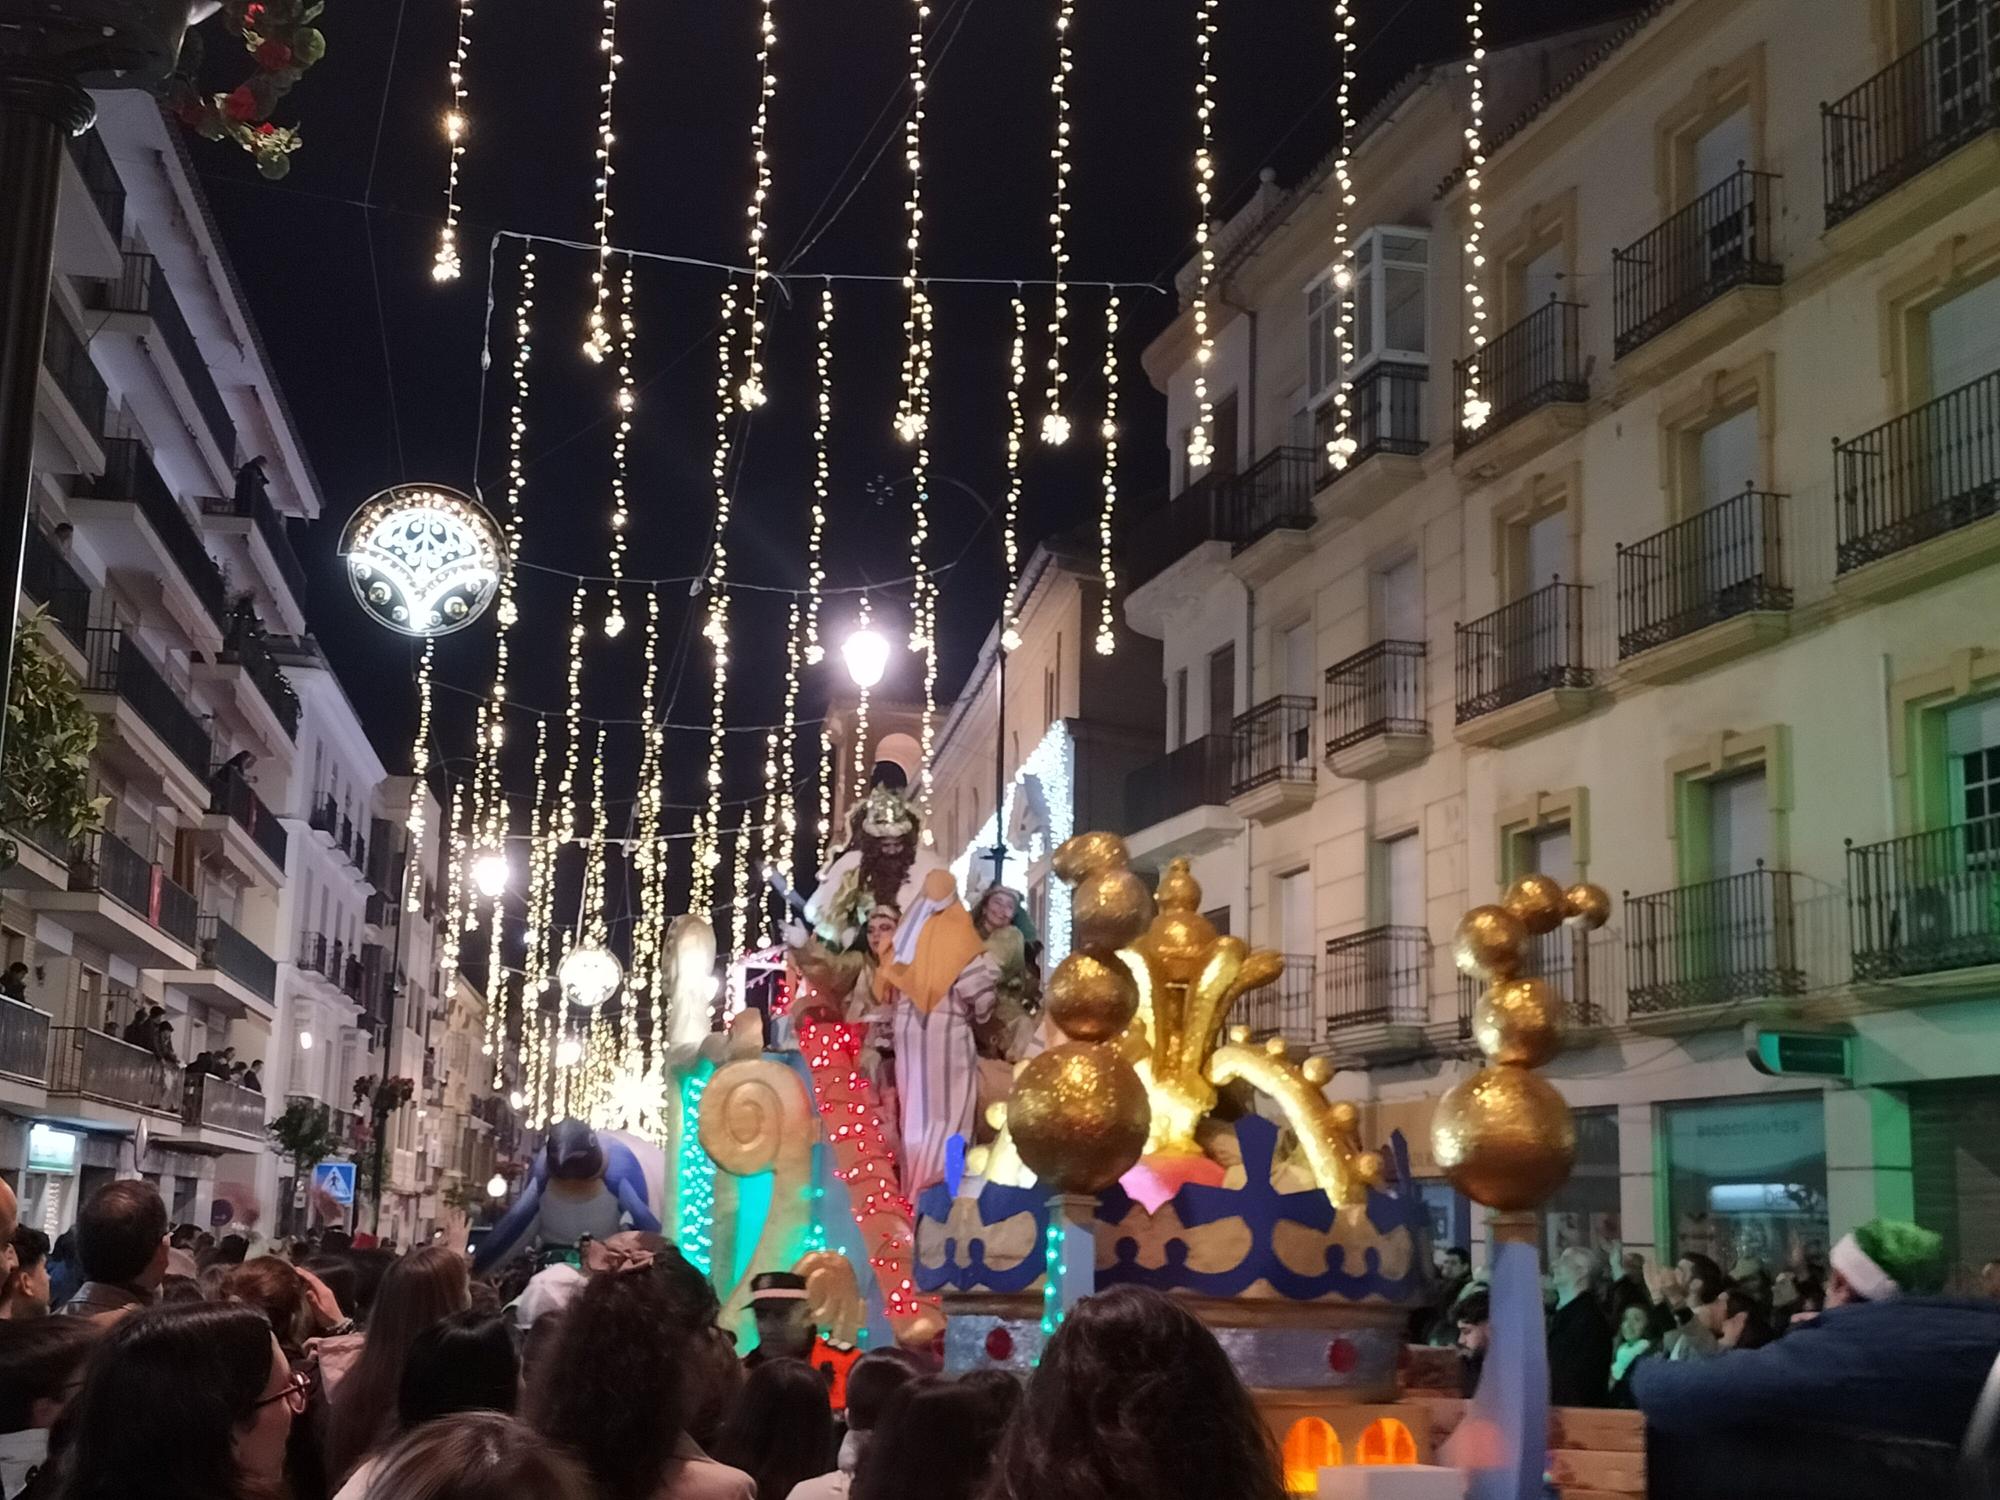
69 363
1272 768
256 524
1524 667
130 485
1704 590
1706 954
211 1104
1179 804
1385 428
24 1044
49 579
1272 498
125 903
1581 969
1533 382
230 971
1288 1007
100 179
1917 496
324 820
115 666
245 652
1273 495
1928 105
1926 905
39 859
1376 721
94 1065
1707 274
235 809
144 291
1377 991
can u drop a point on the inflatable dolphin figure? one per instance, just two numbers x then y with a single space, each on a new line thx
585 1183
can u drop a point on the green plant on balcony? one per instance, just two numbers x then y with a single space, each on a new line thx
45 776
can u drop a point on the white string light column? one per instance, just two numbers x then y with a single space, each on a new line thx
1107 639
751 392
1201 439
597 338
446 266
1341 446
624 401
1055 425
1477 408
1017 431
715 628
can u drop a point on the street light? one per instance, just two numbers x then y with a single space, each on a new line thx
496 1186
866 653
305 1041
589 975
490 872
569 1052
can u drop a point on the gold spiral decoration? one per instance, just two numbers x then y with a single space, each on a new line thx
756 1117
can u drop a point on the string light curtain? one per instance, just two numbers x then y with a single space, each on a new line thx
597 339
751 393
1017 431
815 652
715 628
1341 446
1055 425
1107 639
420 764
624 401
910 410
1201 439
861 710
1477 409
445 266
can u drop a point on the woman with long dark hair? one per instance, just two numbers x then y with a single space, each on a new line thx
191 1402
426 1286
476 1456
1135 1397
937 1440
466 1363
781 1432
616 1392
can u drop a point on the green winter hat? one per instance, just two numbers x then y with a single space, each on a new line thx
1891 1258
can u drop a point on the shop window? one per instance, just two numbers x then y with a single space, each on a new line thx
1584 1211
1310 1446
1748 1178
1385 1441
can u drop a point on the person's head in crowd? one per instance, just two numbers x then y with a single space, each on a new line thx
26 1293
465 1363
425 1287
1701 1276
485 1297
276 1290
1454 1263
615 1389
337 1274
715 1382
232 1249
537 1343
1574 1271
185 1288
476 1456
208 1281
1632 1266
121 1237
1884 1259
335 1241
937 1439
781 1431
1133 1396
1746 1321
370 1266
784 1316
41 1366
999 1389
183 1236
1989 1279
182 1403
1635 1325
1474 1313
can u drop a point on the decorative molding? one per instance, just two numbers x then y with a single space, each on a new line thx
1719 394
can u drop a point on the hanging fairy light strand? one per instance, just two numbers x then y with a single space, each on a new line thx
1341 446
751 393
446 266
597 340
420 762
815 652
624 401
1055 425
861 710
534 977
1107 639
923 603
1201 440
1017 427
910 410
1477 408
715 628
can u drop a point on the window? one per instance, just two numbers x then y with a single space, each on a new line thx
1295 914
1721 150
1322 339
1739 824
1391 314
1222 689
1964 337
1727 458
1549 851
1219 918
1399 602
1748 1179
1398 898
1972 764
1180 696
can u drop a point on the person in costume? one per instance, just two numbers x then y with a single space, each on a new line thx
1000 915
584 1185
785 1330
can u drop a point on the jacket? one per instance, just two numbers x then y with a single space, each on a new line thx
1911 1367
103 1299
1579 1353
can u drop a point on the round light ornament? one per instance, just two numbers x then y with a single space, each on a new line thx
423 560
589 975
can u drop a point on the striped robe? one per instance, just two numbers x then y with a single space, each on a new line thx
937 1069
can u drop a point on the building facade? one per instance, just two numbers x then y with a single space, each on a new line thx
1702 611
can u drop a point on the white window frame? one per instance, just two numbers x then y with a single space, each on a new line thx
1321 339
1369 264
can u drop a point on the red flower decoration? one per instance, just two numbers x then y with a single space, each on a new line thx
273 54
241 103
267 128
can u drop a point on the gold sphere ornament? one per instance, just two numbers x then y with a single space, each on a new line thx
1180 938
1537 902
1092 996
1586 906
1487 943
1108 909
1504 1138
1518 1021
1088 854
1079 1117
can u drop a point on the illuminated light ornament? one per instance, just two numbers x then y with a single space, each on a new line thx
1473 415
1107 638
597 339
423 560
1010 634
589 975
751 393
496 1186
1341 447
446 267
815 653
569 1052
490 872
866 653
1201 438
305 1041
1055 426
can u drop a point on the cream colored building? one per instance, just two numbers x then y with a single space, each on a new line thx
1707 611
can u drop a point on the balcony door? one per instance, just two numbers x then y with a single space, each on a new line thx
1399 903
1724 233
1551 851
1297 650
1739 920
1222 690
1964 338
1723 555
1964 65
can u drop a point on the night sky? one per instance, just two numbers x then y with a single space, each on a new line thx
382 366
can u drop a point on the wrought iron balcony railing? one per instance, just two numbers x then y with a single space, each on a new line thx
249 652
1373 692
24 1042
129 475
1538 362
213 1103
1273 742
101 180
67 358
1289 1007
1736 938
96 1065
1273 493
1385 414
1925 903
143 288
1719 242
325 817
1723 562
229 793
48 578
115 664
1524 648
225 949
1196 775
106 864
1926 473
271 527
1376 977
1926 104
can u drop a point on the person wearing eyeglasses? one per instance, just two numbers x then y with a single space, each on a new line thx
193 1401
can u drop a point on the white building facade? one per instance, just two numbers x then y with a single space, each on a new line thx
1705 611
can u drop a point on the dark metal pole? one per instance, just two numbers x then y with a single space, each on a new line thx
1000 762
38 110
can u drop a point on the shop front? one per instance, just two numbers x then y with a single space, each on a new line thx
1747 1178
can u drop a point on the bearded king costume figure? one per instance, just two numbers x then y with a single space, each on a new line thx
889 932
